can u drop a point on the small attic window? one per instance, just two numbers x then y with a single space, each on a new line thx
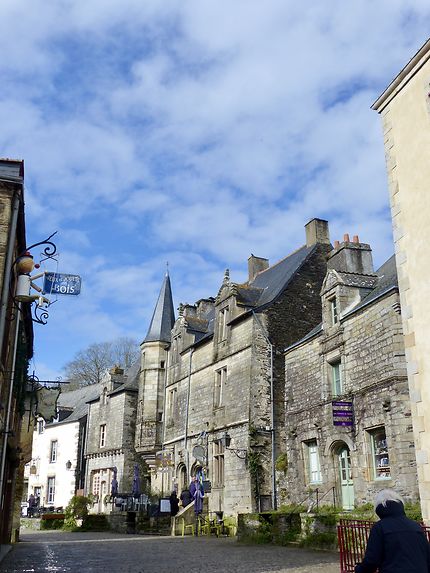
222 323
334 311
104 397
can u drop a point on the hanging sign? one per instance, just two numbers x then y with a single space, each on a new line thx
61 283
343 414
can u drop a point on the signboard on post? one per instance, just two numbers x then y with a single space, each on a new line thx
61 283
343 413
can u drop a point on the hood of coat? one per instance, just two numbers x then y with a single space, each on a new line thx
392 509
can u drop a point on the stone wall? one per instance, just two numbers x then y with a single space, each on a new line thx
370 345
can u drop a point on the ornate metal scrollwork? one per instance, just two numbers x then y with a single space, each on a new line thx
40 314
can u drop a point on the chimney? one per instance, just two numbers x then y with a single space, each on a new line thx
256 265
116 377
317 232
351 257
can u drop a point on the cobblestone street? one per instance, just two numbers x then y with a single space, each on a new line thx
101 552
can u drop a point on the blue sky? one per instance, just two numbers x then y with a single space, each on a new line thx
195 132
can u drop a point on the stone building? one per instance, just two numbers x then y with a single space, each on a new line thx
16 349
405 112
348 414
110 438
216 378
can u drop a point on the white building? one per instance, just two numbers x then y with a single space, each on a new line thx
57 468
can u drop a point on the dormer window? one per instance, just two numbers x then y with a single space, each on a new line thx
222 323
334 311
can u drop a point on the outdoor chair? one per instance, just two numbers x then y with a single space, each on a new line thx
187 527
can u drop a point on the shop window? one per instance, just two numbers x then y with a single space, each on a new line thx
380 456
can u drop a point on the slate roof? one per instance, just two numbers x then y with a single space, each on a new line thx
76 401
273 280
163 318
386 281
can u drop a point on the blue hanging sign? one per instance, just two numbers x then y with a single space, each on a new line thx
60 283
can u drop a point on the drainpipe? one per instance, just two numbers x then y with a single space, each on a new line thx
187 411
272 413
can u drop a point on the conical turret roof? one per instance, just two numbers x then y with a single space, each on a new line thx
163 318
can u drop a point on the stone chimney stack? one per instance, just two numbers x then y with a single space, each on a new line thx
116 377
351 257
256 265
317 232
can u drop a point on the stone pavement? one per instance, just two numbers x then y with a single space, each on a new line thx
59 552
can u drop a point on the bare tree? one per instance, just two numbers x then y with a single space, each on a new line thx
90 365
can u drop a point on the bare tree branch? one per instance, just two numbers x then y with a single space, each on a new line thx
90 364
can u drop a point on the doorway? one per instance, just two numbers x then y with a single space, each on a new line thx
345 474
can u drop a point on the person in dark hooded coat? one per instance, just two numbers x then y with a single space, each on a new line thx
396 544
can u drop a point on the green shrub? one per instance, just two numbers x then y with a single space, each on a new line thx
413 511
97 522
320 540
77 509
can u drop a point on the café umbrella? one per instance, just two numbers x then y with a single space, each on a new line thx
136 481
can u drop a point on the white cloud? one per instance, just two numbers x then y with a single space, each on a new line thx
194 132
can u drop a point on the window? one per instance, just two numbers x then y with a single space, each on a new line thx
171 405
40 426
380 457
51 489
162 364
104 397
103 435
336 378
96 484
218 463
220 380
175 354
53 452
313 462
222 324
334 311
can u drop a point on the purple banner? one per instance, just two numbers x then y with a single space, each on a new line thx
343 414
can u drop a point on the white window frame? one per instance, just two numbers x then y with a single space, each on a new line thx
218 463
102 442
223 318
334 310
381 468
50 490
171 405
219 383
336 378
53 451
313 465
40 426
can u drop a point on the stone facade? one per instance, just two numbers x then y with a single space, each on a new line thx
350 370
405 113
213 379
16 348
110 438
